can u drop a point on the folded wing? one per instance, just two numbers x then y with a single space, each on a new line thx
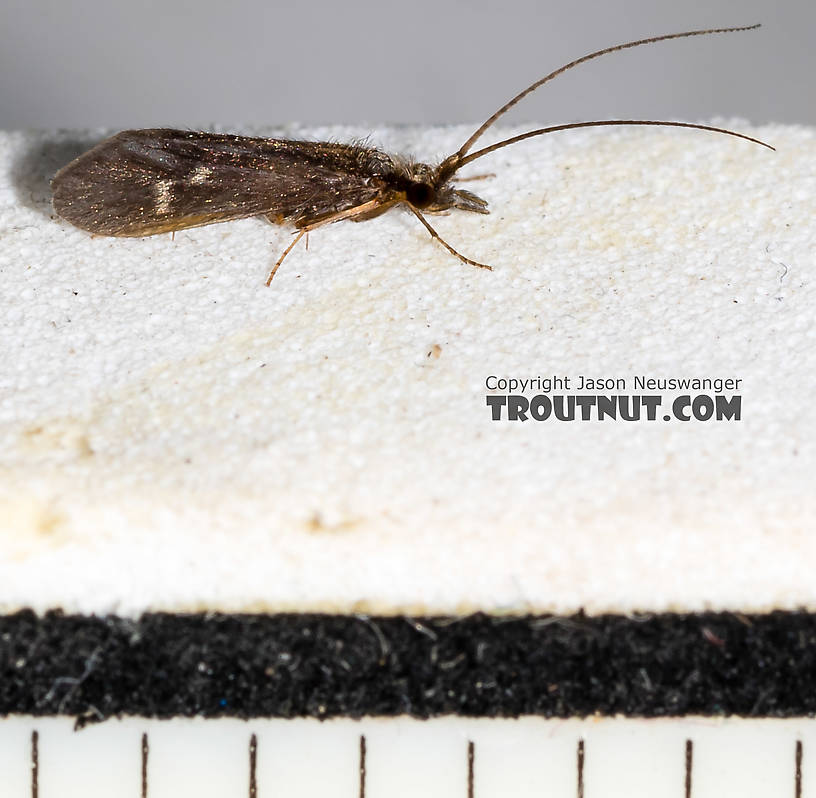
142 182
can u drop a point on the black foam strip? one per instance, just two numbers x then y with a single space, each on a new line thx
324 666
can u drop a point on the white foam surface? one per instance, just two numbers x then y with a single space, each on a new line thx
176 436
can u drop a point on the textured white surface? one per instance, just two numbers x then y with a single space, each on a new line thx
174 435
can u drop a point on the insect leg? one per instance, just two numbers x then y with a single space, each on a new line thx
288 249
373 207
444 243
307 226
475 177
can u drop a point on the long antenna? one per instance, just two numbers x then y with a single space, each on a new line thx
453 162
571 125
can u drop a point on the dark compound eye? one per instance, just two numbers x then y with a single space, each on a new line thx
420 195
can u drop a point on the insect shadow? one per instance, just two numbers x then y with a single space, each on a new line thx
34 168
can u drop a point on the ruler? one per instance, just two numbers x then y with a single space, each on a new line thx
402 757
710 705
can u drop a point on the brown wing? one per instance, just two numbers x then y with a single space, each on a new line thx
142 182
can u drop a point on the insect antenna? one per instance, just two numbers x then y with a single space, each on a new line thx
602 123
452 163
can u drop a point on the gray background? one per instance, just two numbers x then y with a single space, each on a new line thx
87 63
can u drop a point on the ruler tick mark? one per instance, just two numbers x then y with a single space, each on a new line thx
35 763
253 766
145 752
362 765
798 788
580 758
470 757
689 762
